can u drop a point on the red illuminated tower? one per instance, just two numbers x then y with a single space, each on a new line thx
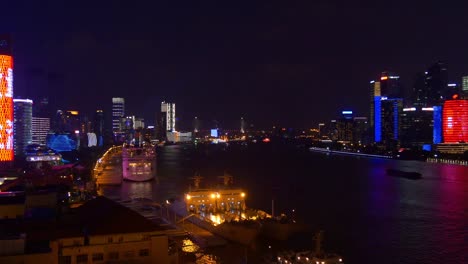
6 101
455 121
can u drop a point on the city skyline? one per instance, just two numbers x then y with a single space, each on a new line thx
243 62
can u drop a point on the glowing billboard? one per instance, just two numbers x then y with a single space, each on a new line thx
6 108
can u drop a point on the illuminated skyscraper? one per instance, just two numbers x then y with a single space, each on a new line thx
22 125
40 129
6 101
437 84
465 87
242 125
455 121
99 127
168 113
118 111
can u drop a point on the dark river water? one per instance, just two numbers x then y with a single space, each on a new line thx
366 215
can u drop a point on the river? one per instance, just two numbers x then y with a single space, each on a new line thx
366 215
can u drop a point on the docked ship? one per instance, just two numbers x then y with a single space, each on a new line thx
138 162
223 212
108 169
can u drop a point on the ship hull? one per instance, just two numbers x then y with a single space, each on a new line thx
138 164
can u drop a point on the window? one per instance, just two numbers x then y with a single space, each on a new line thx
129 254
82 258
65 260
98 256
110 240
113 255
144 252
120 239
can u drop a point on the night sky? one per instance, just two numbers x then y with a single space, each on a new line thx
284 62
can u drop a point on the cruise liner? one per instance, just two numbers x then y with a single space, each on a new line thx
138 163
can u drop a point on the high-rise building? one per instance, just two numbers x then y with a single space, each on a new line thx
118 111
437 84
345 126
455 121
417 126
196 125
390 85
242 125
99 127
386 119
168 114
374 92
40 129
6 101
360 130
22 125
385 104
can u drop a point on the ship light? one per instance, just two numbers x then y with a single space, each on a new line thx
340 260
188 197
213 195
243 194
217 195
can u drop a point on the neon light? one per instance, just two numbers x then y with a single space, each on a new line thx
455 96
455 121
377 119
23 101
372 81
428 109
384 78
409 109
394 77
347 112
451 84
437 131
383 98
6 108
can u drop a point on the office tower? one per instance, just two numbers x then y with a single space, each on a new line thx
455 121
6 102
242 125
345 126
374 92
139 123
22 125
465 87
417 126
168 116
73 122
390 85
196 125
437 84
419 94
386 119
360 130
99 127
40 129
118 112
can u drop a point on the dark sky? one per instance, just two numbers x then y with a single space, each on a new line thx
293 63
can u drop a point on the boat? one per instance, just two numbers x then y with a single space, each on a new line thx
108 169
138 162
404 174
221 211
313 256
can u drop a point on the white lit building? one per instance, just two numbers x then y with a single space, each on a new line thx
169 119
22 125
40 128
118 111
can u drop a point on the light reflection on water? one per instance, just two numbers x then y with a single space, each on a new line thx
358 205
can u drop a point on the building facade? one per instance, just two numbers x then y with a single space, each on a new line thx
6 102
40 129
118 111
22 125
455 121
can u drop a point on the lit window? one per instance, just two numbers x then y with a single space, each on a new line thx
98 257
